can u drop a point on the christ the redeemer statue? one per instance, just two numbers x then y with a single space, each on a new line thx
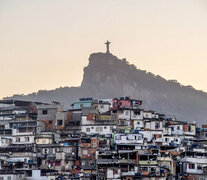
107 46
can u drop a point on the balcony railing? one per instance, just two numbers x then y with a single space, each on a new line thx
107 161
127 161
69 156
129 173
52 156
164 159
147 162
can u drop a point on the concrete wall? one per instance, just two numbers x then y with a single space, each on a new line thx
80 104
128 139
23 139
94 129
103 108
138 124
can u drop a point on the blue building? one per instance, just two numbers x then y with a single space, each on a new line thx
83 102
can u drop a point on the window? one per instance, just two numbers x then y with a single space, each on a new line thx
111 128
50 122
57 163
85 152
26 139
199 166
122 123
157 125
17 139
8 177
139 137
1 178
118 137
126 112
30 129
44 111
144 168
87 129
22 130
115 171
59 122
157 135
191 166
54 150
189 128
99 129
178 127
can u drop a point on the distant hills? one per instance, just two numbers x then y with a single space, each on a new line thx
106 76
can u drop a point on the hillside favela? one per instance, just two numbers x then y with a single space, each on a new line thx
102 136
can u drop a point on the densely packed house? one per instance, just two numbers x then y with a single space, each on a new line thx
105 139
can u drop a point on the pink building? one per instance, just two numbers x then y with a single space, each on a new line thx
124 102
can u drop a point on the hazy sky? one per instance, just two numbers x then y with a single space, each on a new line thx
44 44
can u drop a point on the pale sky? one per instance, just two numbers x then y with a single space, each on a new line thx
45 44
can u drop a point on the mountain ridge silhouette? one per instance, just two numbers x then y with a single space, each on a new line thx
107 76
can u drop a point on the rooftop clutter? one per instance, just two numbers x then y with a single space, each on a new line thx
98 139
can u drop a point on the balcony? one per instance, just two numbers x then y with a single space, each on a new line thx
200 160
69 156
5 132
28 125
135 141
194 171
126 150
59 156
127 161
73 128
107 161
129 173
102 174
148 162
43 156
23 133
51 156
164 159
159 140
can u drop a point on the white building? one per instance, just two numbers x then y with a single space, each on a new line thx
128 139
